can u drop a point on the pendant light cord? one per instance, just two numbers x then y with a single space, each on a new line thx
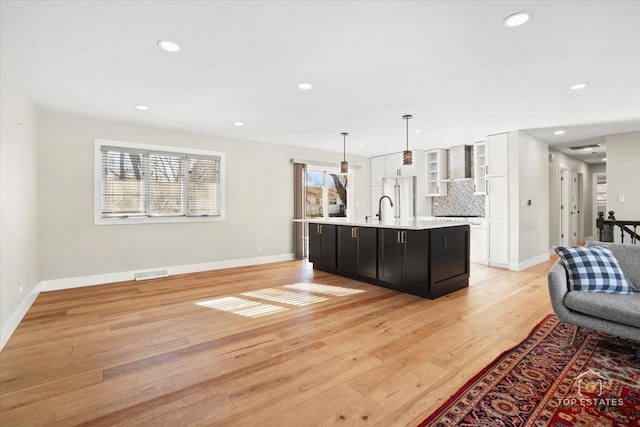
344 146
407 120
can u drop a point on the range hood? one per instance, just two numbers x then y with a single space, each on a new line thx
460 163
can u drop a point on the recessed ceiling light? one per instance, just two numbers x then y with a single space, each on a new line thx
604 159
448 139
588 149
417 130
141 107
238 124
359 145
578 86
559 132
168 46
390 149
516 19
305 86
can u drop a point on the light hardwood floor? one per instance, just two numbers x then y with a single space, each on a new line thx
144 353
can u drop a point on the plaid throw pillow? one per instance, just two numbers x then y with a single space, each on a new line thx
593 269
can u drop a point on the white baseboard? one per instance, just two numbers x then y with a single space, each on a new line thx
9 328
529 263
478 260
101 279
498 264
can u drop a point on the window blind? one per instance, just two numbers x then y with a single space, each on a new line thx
204 186
165 184
148 183
123 182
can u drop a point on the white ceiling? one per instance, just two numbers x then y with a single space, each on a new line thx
451 64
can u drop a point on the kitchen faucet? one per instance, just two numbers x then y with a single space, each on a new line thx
379 214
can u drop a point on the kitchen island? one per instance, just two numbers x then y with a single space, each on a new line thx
425 258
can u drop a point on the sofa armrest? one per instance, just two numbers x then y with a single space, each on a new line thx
558 288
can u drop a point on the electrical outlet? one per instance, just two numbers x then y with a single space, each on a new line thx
259 249
20 289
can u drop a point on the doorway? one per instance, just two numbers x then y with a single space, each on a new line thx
599 197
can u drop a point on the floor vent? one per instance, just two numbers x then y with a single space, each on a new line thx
154 274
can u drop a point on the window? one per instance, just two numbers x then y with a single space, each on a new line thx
137 183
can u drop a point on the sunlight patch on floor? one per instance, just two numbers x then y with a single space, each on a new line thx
242 307
324 289
285 297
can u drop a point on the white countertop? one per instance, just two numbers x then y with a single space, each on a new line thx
418 224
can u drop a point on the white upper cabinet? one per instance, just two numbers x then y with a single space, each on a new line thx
377 170
436 172
393 165
497 154
390 166
479 169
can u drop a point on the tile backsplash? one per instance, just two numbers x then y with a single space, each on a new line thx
459 200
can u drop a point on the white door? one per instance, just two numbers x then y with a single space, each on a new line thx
573 233
564 205
581 207
497 221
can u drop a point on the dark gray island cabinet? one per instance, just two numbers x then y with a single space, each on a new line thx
425 258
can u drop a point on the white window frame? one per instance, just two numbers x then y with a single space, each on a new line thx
98 219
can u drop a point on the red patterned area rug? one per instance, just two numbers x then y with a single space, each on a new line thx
546 382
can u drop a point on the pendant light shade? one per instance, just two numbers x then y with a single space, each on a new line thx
344 165
407 156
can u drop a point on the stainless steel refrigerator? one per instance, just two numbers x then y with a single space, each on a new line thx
402 192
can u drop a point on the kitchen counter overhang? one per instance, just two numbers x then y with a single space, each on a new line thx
425 258
400 225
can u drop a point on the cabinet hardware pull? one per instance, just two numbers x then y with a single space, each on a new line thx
487 189
355 232
404 236
398 237
320 228
486 169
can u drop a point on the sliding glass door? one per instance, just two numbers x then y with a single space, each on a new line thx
326 193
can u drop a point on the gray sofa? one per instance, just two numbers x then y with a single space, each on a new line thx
614 314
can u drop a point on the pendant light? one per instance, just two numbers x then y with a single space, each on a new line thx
344 165
407 156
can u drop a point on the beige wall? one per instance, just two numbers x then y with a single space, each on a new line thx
19 203
528 180
259 203
534 184
623 175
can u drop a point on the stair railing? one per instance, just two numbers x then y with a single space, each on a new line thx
606 228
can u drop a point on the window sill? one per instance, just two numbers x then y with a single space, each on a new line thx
156 220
